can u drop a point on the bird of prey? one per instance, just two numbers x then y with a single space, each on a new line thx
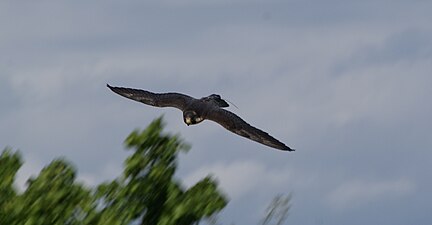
196 110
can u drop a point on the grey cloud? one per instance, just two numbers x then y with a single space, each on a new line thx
347 84
408 46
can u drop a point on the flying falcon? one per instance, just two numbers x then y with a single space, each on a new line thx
196 110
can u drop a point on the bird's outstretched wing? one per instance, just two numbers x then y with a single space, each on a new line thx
237 125
176 100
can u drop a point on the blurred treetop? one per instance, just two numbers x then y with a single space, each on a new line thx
145 193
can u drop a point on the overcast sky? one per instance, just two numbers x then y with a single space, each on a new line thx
346 83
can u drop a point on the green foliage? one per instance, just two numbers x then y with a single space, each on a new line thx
9 165
145 193
53 197
148 188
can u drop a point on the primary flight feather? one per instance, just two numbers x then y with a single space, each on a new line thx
196 110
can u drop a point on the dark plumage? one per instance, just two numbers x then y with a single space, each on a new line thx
196 110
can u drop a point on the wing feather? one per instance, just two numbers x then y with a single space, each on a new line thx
237 125
175 100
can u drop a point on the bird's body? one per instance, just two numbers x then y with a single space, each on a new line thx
197 110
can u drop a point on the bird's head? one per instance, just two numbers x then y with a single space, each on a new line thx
191 117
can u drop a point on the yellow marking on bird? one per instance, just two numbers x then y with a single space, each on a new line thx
188 120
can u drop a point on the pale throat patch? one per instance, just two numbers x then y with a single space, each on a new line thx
188 120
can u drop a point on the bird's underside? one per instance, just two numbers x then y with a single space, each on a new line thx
196 110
